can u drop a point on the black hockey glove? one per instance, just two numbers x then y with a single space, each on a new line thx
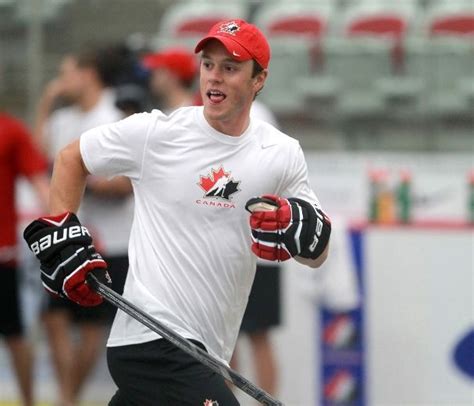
66 253
284 228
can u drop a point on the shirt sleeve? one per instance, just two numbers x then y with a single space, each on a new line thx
296 183
118 148
28 159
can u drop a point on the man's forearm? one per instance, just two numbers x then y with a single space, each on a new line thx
53 90
40 183
42 114
314 263
68 180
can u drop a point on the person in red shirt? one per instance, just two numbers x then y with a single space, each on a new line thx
18 157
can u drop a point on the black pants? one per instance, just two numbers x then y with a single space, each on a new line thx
157 373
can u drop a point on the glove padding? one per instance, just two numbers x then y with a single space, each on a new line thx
66 253
294 227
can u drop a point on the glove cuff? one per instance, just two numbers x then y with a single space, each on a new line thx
319 229
48 235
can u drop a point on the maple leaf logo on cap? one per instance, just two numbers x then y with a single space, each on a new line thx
231 28
219 184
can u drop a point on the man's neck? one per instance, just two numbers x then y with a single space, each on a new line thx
233 127
90 98
178 98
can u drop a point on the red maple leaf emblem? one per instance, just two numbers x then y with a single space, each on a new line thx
207 182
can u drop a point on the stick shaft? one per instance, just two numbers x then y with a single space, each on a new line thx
185 345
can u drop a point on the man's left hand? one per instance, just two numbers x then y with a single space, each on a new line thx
294 227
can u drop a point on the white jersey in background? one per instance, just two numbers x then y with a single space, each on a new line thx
260 111
191 265
109 219
68 123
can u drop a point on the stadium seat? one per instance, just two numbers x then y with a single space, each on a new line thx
185 22
445 66
361 50
438 81
392 20
290 61
304 18
48 9
453 18
352 67
294 29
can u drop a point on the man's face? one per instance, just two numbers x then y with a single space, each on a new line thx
227 87
161 81
72 78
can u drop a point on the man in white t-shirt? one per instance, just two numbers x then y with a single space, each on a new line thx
191 264
84 82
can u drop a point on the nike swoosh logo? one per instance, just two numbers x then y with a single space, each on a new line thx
236 54
267 146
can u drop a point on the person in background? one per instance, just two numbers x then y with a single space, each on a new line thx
172 75
132 93
131 98
84 85
19 156
263 312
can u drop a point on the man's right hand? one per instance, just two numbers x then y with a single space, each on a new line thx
66 253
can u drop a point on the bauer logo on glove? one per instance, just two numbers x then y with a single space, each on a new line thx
66 253
285 228
58 237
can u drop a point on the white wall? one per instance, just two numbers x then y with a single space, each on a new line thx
420 302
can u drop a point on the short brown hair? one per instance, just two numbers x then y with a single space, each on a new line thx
109 61
257 68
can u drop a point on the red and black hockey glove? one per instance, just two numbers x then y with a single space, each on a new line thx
284 228
66 253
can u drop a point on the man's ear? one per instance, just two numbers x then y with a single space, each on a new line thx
260 79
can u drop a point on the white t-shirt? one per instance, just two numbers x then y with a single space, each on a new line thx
191 266
109 219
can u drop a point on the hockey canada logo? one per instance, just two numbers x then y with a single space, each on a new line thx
219 185
231 28
340 332
341 388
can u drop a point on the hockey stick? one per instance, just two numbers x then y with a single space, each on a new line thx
202 356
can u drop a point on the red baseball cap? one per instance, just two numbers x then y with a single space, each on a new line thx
180 61
243 40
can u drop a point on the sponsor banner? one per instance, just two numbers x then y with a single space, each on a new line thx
463 355
439 182
342 345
